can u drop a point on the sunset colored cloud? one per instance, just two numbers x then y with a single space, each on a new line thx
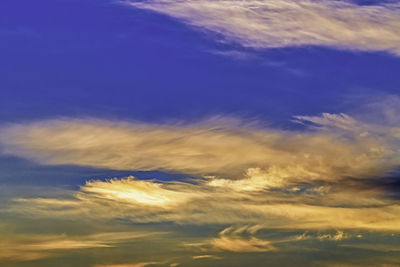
287 179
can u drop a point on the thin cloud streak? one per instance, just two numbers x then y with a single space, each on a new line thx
231 239
25 249
284 23
139 264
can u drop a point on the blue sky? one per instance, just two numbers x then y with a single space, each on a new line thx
293 103
98 58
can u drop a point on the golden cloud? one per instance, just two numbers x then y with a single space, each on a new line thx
340 146
32 248
305 180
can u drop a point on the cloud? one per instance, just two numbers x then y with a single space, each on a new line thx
335 237
336 146
27 248
206 256
238 239
139 264
135 191
230 239
280 23
246 174
335 208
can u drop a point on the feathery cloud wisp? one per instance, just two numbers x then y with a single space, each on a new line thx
281 23
338 146
45 246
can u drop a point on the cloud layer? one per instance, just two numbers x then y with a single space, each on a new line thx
335 146
310 208
279 179
326 182
281 23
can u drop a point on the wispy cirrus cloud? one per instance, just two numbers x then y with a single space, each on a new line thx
336 146
281 23
325 180
206 256
283 209
33 248
138 264
231 239
288 179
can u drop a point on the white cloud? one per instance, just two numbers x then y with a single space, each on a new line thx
281 23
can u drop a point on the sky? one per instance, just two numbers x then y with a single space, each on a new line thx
199 133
